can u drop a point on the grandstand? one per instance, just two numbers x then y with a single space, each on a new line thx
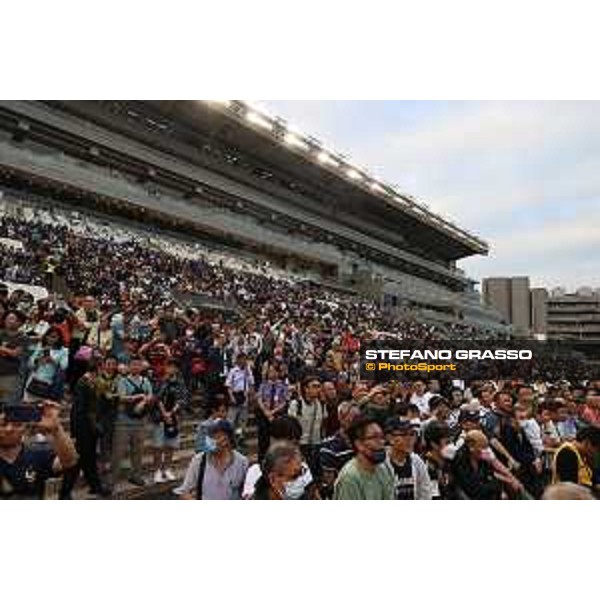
241 186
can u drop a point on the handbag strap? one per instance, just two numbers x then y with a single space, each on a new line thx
201 472
138 388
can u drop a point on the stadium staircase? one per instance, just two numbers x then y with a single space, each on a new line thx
123 490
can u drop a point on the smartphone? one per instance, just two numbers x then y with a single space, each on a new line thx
23 413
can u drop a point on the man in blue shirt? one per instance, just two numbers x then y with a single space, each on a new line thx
135 397
25 468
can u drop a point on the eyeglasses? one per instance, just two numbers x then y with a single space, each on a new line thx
374 436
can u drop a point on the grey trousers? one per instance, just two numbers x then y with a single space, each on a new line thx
11 388
128 442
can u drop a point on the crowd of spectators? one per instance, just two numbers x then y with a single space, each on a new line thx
117 344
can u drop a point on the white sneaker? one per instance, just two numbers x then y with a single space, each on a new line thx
169 475
158 477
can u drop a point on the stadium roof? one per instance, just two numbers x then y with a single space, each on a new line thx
295 170
312 149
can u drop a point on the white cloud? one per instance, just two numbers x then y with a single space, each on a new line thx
524 175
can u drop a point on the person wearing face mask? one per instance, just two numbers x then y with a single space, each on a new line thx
284 429
284 475
439 454
218 473
367 476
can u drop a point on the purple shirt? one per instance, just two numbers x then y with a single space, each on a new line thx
273 394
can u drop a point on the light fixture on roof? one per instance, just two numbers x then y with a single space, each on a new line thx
219 102
258 107
293 129
294 140
327 159
259 120
353 174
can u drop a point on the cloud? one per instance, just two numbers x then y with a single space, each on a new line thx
524 175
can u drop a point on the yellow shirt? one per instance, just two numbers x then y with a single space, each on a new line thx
584 472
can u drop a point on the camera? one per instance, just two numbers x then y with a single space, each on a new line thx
23 413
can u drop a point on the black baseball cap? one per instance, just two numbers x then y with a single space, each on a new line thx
469 415
399 425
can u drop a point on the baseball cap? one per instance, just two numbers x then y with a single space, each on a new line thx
222 425
399 425
469 414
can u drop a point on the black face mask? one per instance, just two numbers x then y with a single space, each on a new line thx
377 456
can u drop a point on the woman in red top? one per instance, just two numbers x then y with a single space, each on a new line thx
157 353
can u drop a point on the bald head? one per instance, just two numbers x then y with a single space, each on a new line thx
567 491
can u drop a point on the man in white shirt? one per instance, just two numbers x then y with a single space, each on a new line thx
240 386
411 478
420 398
307 408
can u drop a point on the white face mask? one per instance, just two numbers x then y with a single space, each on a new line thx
449 452
294 490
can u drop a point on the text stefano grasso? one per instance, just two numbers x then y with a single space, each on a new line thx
498 354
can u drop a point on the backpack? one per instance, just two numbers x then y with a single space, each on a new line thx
130 409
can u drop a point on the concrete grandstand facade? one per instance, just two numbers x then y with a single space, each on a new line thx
208 172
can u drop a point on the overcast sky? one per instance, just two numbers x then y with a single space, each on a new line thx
525 176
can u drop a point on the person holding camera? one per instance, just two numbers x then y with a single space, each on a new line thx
48 363
25 467
171 397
